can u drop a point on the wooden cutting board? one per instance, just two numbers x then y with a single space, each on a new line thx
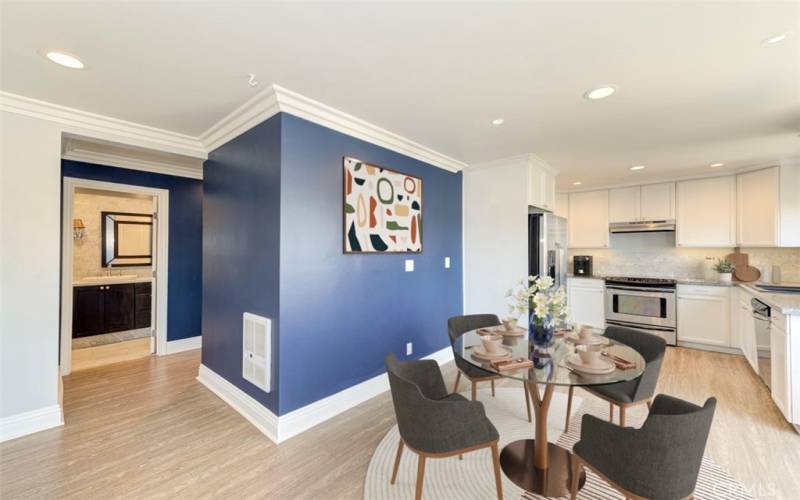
743 271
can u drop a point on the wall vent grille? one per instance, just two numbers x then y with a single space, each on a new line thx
256 351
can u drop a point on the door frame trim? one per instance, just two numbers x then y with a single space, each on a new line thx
162 259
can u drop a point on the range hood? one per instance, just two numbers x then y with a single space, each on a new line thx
642 226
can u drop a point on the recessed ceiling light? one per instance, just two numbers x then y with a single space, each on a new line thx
577 183
715 165
498 121
637 167
775 39
600 92
64 59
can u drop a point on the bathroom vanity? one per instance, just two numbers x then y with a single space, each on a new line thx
111 306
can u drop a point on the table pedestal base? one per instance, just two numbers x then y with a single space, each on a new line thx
517 461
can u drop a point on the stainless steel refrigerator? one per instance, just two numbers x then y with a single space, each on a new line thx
547 247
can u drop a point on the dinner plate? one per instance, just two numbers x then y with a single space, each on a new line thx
603 367
479 352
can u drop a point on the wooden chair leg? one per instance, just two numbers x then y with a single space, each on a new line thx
569 408
397 461
576 474
420 476
497 480
611 412
527 401
474 390
458 379
622 416
492 387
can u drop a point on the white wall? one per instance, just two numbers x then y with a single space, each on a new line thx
30 185
495 234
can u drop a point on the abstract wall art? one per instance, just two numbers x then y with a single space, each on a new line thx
382 209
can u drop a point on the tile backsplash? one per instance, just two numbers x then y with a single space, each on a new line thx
655 255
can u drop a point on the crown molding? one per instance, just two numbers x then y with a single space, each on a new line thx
526 159
105 126
277 99
101 154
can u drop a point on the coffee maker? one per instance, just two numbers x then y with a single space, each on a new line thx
582 265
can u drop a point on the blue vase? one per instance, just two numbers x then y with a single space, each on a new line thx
541 335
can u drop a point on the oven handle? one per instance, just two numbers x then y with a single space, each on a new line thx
643 291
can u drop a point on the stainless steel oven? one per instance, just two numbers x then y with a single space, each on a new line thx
646 304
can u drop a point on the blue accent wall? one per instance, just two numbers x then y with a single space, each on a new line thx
185 238
241 245
340 314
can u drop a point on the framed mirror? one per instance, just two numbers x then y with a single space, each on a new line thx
127 239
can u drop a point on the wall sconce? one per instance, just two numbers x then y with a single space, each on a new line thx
77 229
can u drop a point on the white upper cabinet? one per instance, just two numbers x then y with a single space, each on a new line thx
757 196
658 202
642 203
562 205
706 212
624 204
768 207
588 219
541 185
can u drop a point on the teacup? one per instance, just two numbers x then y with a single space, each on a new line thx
510 324
585 332
589 357
491 343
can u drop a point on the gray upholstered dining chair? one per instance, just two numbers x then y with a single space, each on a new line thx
632 392
458 326
661 460
433 423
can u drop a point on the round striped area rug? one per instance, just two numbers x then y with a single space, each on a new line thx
473 478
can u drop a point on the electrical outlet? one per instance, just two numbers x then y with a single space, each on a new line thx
447 262
409 265
409 348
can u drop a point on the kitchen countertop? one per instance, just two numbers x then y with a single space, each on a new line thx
112 280
786 303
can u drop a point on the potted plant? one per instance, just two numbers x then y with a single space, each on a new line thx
546 305
725 270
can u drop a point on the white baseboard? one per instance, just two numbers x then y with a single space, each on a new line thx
279 429
256 413
713 348
29 422
181 345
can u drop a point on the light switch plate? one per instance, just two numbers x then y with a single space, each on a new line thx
447 262
409 348
409 265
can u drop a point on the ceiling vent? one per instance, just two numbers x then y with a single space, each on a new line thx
257 350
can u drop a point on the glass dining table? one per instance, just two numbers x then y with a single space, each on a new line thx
536 465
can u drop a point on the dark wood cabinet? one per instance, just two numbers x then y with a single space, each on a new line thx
87 311
110 308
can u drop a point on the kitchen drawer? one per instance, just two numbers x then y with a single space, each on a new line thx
709 290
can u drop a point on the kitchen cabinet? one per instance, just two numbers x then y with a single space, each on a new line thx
100 309
747 331
588 219
704 315
541 185
780 370
624 204
642 203
706 212
562 205
768 207
658 201
757 196
586 301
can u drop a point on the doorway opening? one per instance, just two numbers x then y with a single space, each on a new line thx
114 273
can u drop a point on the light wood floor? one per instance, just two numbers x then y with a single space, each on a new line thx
92 357
147 429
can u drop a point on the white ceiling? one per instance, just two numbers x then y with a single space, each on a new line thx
696 85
